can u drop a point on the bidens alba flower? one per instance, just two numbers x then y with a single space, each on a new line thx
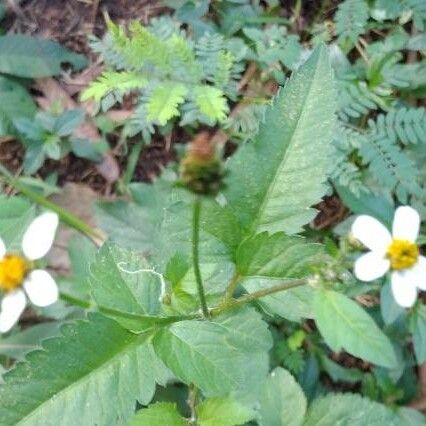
397 252
18 276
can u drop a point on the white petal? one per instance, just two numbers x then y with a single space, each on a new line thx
371 266
371 233
2 249
417 274
39 236
41 288
406 224
403 289
12 306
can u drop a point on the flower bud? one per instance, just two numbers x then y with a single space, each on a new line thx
201 170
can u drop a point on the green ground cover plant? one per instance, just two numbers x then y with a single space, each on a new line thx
210 296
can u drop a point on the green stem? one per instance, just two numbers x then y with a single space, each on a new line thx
231 289
64 215
81 303
195 259
257 295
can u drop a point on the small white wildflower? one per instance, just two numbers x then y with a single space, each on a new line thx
397 252
19 279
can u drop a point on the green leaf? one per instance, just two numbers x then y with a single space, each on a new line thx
164 102
223 412
218 356
276 256
76 377
349 409
123 282
111 81
211 102
282 401
345 325
339 373
159 225
275 179
418 329
294 304
15 103
372 204
16 214
159 414
389 309
26 56
18 344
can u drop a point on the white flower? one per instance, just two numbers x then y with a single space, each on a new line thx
18 276
397 252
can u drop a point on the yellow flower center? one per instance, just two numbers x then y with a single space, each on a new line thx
13 269
402 254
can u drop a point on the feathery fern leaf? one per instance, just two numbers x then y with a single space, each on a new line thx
164 102
390 166
407 125
172 75
211 102
351 19
111 81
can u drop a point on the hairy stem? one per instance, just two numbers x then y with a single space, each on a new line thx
64 215
257 295
231 289
195 258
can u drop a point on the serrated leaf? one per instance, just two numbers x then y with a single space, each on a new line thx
164 102
211 102
276 256
26 56
74 379
418 329
161 227
18 344
294 304
159 414
275 179
282 401
345 325
218 356
124 284
349 409
223 412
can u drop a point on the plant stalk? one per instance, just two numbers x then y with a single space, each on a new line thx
195 258
64 215
257 295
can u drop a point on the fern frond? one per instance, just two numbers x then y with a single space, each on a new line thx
245 123
390 166
351 19
211 102
344 171
356 99
164 102
407 125
111 81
